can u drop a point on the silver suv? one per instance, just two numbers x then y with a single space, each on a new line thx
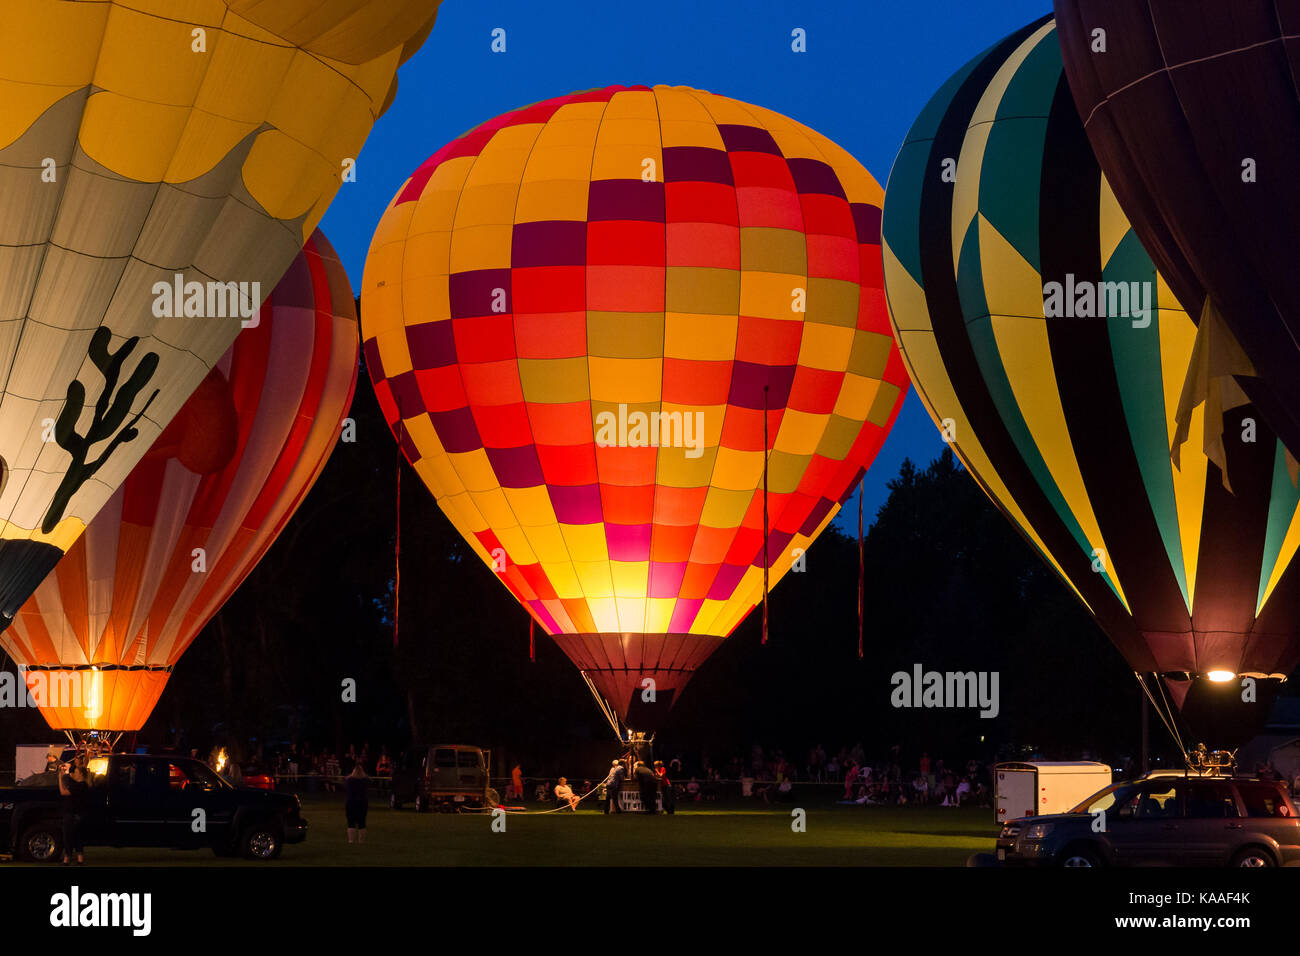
1164 819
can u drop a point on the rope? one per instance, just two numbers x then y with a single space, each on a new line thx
1160 712
535 813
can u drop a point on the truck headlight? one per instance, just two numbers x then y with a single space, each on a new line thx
1038 831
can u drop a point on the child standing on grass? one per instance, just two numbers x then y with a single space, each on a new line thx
356 802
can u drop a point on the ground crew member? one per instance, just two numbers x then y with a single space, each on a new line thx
614 786
666 787
648 784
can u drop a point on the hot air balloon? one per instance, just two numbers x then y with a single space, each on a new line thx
99 637
589 321
161 164
1192 109
1038 331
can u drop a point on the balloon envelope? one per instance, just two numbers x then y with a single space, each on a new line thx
101 633
140 142
576 316
1036 327
1192 110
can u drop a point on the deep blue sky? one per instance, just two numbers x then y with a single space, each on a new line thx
870 67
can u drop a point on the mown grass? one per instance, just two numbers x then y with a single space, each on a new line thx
736 834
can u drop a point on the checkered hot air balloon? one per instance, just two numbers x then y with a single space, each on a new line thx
140 141
589 321
100 635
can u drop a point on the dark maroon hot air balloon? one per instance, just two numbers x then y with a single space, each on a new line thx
1192 109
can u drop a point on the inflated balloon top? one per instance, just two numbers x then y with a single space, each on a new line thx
1192 109
161 164
101 633
1052 355
588 319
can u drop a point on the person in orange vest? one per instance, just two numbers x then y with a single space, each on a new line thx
517 781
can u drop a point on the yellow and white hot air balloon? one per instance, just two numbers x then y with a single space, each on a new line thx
161 165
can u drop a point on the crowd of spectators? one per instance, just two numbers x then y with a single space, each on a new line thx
766 774
770 775
332 767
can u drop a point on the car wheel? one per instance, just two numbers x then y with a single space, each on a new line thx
41 843
1255 856
1080 856
261 842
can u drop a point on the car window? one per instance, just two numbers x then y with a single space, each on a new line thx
468 758
1127 801
1158 801
144 774
444 758
1106 798
1263 800
201 775
123 774
1209 801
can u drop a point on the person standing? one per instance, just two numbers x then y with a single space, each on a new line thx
73 789
648 784
666 787
517 782
356 802
614 786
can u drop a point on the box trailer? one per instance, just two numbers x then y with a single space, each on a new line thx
30 758
1038 787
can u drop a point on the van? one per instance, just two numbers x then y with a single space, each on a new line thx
455 776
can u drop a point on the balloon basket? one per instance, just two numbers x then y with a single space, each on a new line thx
1211 763
93 741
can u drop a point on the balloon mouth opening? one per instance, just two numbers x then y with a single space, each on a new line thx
1220 676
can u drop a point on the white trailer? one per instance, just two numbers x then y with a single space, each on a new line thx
30 758
1039 787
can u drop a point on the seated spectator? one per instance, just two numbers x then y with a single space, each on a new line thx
693 789
564 794
921 787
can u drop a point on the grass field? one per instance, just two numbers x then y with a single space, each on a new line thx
704 834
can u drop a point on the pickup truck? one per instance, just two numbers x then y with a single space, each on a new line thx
145 800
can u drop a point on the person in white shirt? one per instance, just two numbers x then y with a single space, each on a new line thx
564 792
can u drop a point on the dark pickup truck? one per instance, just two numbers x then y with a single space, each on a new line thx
162 801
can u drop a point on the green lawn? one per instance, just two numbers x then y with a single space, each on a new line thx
740 834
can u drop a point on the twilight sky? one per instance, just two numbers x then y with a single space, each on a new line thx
870 67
